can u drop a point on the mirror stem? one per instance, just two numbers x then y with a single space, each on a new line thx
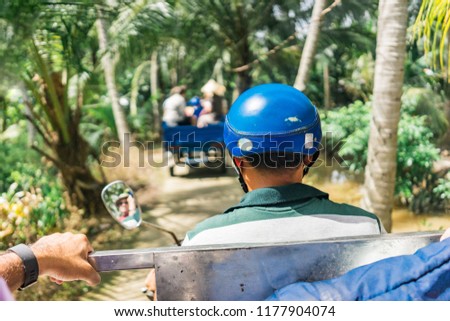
177 241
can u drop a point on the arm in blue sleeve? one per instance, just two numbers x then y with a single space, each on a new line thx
425 275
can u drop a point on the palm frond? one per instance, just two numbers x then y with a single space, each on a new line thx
60 117
432 23
139 15
135 86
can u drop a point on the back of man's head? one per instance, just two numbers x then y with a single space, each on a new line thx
274 162
274 128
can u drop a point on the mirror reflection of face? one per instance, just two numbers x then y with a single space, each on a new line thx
121 203
124 207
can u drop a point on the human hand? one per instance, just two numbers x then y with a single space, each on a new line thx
150 283
64 257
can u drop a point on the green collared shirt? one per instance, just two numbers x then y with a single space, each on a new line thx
293 212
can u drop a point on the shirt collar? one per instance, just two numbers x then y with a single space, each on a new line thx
278 195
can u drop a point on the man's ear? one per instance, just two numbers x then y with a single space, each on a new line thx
238 162
308 160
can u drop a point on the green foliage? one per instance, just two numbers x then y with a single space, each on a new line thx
15 154
416 185
31 202
422 101
344 121
442 189
433 24
98 124
31 195
10 114
415 155
418 73
142 123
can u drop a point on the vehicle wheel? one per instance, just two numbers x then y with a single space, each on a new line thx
171 171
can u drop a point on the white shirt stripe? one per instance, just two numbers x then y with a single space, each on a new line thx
288 229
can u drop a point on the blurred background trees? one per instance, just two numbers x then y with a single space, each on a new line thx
76 74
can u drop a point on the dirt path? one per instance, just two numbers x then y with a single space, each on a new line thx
176 203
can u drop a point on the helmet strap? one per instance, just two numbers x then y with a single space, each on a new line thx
240 177
307 167
305 170
242 182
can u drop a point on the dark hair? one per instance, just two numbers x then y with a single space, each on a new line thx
178 90
271 161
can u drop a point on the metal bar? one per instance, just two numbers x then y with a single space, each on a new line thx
254 271
105 261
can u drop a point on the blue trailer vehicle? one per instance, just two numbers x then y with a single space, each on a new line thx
195 147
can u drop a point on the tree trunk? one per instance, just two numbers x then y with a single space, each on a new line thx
381 166
326 86
309 51
155 94
135 87
108 68
28 106
244 79
84 189
217 73
3 109
446 138
71 156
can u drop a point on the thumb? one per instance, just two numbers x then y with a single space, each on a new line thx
57 281
89 274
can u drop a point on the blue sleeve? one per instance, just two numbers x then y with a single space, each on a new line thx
425 275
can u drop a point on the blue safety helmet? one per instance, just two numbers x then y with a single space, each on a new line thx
194 101
272 118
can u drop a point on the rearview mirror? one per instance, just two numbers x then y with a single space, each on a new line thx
122 204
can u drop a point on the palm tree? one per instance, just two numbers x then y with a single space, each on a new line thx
45 68
240 28
388 81
432 22
58 123
309 49
108 68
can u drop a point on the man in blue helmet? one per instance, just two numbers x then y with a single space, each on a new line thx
195 104
273 134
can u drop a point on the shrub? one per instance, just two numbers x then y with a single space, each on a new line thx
31 207
31 196
416 185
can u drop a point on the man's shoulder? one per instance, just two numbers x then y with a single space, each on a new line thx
345 209
236 216
216 221
326 206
